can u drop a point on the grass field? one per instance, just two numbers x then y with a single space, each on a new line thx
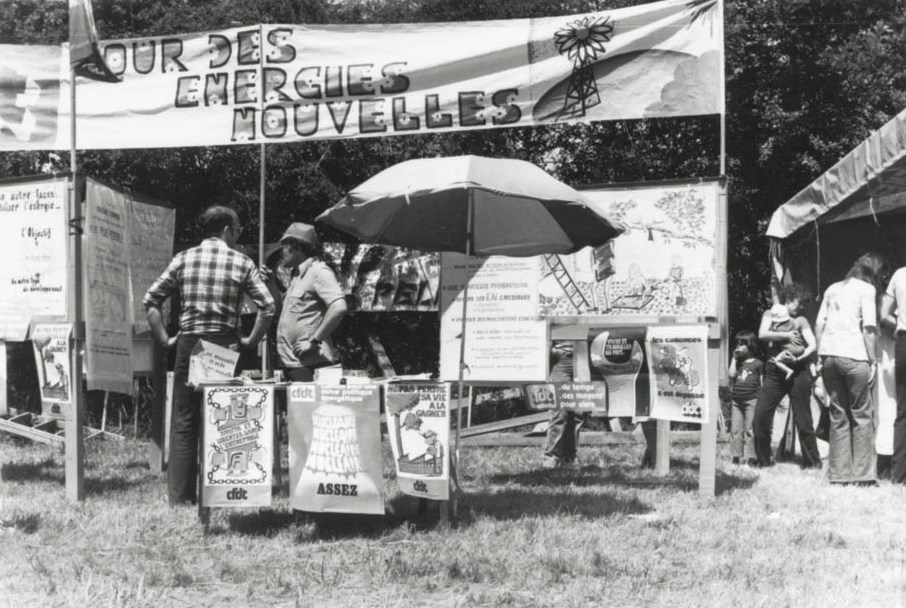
610 534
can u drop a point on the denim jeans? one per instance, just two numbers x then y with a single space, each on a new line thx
742 443
185 420
852 451
774 387
563 434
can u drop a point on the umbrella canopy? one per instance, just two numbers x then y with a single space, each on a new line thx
517 209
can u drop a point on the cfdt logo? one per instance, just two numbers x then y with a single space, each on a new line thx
237 494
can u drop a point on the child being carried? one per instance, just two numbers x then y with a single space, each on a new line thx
782 322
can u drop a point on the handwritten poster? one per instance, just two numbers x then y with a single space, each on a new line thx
335 448
52 360
209 362
151 230
238 446
108 316
33 275
678 360
617 357
575 396
418 423
504 339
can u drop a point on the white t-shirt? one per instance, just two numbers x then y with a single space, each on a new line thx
847 307
896 289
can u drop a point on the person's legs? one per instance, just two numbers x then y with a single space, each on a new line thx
181 467
800 404
763 418
561 437
861 421
898 459
737 429
298 374
840 453
748 453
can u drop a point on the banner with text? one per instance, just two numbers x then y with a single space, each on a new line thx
151 230
238 446
678 360
34 95
335 448
504 339
283 83
574 396
33 275
108 316
50 343
418 424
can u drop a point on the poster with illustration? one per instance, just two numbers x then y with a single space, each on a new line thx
663 265
50 343
237 446
335 448
617 357
678 359
418 423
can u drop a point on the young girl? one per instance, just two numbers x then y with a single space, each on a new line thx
745 381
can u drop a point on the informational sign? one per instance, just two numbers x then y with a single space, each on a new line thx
52 360
209 362
33 275
575 396
238 446
151 230
108 316
678 360
663 265
418 424
617 357
335 448
284 83
504 339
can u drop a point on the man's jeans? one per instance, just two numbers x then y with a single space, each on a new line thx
852 451
185 420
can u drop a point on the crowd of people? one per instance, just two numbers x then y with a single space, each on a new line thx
857 327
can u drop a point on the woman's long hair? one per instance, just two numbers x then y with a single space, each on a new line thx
873 269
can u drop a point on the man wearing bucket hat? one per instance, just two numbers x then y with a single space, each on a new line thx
312 308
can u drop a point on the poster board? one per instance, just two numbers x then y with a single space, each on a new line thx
151 231
108 314
51 347
505 341
679 373
617 357
237 447
418 426
664 266
335 448
574 396
33 275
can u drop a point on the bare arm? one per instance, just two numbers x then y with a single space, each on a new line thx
821 320
766 335
158 331
732 372
262 322
810 344
887 319
333 316
870 337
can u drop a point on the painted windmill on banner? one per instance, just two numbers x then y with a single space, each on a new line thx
583 42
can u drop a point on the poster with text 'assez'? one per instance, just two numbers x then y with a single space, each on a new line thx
678 359
335 448
33 274
50 343
238 446
418 423
617 358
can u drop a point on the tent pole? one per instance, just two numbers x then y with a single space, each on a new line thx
262 177
74 435
462 339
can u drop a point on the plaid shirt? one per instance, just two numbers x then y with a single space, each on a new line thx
210 279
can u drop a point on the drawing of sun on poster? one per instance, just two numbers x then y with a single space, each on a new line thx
237 451
335 448
418 422
617 357
51 348
678 360
663 265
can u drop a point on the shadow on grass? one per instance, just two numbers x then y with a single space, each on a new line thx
44 470
26 523
683 477
95 486
515 503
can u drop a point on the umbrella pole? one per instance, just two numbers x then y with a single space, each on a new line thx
462 341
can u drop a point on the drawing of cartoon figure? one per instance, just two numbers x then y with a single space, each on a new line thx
678 366
674 282
636 283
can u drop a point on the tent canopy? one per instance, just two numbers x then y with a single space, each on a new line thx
871 179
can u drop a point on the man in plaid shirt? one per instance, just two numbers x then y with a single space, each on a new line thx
210 280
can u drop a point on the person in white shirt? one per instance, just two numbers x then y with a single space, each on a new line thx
893 318
846 330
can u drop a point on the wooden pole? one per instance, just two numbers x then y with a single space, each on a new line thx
158 406
662 448
4 407
75 445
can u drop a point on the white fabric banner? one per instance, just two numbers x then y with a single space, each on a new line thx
282 83
678 376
